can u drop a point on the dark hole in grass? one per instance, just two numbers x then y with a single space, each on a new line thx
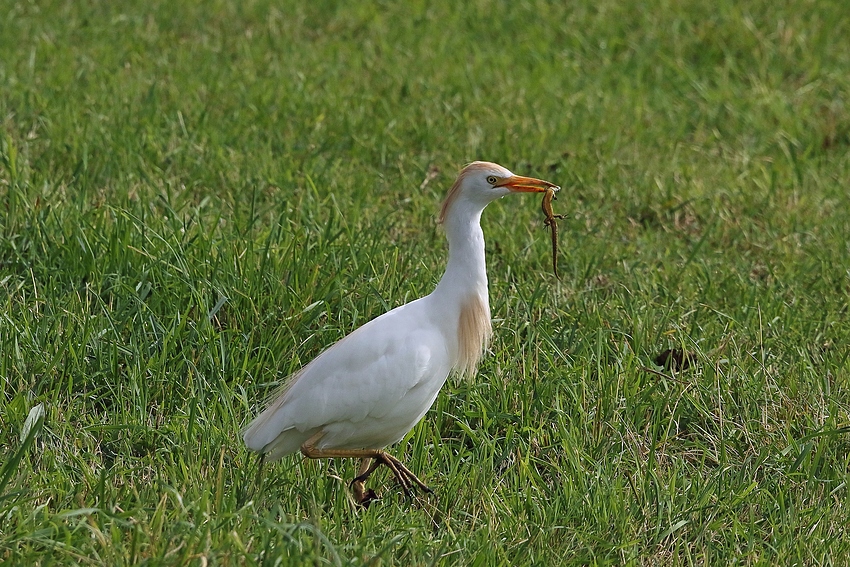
675 359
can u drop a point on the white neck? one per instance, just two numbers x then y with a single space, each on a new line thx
466 271
460 299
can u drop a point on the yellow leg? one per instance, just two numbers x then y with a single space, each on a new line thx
402 474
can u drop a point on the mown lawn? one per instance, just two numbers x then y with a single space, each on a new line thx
196 199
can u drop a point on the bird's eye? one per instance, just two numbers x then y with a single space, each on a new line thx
492 180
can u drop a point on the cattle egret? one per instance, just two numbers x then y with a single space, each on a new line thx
369 389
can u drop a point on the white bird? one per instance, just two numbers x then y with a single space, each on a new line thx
369 389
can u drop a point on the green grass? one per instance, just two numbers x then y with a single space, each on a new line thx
196 199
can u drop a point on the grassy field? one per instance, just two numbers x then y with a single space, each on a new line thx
196 199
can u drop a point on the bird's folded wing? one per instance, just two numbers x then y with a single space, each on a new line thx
365 375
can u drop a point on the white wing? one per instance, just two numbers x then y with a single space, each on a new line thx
366 391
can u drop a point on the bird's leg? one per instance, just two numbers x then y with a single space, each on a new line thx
402 474
367 467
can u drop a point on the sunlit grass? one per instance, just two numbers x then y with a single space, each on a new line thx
196 200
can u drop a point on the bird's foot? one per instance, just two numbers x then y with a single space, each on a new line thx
403 475
368 498
362 496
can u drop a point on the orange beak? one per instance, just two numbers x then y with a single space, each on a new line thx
526 184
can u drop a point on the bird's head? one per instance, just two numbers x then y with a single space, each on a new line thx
481 182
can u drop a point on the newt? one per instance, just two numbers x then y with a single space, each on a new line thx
548 197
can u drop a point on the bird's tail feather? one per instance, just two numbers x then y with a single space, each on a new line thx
260 436
266 429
